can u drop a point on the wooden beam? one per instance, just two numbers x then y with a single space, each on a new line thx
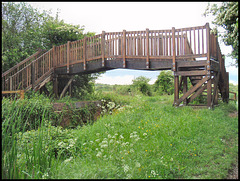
198 92
191 73
214 98
209 93
184 88
176 88
191 90
65 88
55 86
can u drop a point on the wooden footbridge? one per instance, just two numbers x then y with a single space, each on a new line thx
192 53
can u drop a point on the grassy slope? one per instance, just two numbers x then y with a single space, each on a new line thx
155 140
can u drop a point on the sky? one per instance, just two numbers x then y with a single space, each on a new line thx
134 16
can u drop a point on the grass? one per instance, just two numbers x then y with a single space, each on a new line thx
154 140
149 138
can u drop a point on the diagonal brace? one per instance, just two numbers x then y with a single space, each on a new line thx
199 91
191 90
65 88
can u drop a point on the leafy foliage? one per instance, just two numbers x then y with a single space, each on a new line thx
226 16
141 84
21 32
164 83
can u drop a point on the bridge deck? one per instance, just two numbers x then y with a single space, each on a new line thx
192 51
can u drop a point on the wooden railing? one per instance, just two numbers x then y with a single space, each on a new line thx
7 75
185 43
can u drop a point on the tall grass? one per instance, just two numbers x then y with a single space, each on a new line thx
145 138
18 117
152 139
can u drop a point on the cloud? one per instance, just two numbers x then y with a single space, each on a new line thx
112 80
119 80
233 82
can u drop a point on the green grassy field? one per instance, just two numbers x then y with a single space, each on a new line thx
145 138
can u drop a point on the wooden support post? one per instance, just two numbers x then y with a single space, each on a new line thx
53 56
103 48
84 52
209 83
227 86
65 88
215 93
68 55
124 48
184 88
55 86
174 51
147 48
176 89
209 93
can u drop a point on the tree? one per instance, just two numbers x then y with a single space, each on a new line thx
164 83
26 29
226 16
21 32
141 84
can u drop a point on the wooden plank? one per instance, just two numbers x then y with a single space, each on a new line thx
191 73
191 90
192 63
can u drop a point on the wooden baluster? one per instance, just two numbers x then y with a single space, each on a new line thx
68 55
147 48
124 48
103 48
173 48
84 52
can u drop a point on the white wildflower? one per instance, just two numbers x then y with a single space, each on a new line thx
121 137
125 168
97 140
137 164
68 160
144 134
99 154
97 134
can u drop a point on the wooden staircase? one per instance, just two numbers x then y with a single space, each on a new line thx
192 53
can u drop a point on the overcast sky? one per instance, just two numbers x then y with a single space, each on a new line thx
131 16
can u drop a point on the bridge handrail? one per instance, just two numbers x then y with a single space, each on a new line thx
183 43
